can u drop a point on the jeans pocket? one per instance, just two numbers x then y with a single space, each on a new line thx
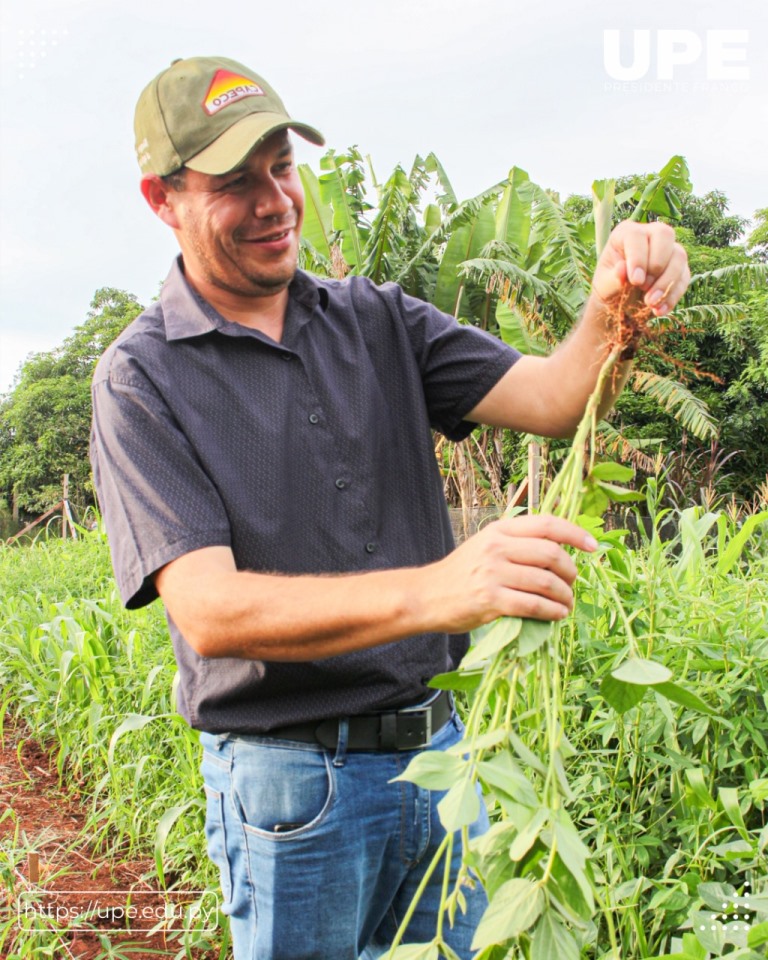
216 837
281 791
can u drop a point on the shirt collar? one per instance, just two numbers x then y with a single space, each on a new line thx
186 314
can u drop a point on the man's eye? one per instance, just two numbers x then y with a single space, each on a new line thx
234 184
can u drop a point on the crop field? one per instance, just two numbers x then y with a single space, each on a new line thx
627 781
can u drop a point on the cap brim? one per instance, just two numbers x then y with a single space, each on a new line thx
234 145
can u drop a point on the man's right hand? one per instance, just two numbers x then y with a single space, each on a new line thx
516 568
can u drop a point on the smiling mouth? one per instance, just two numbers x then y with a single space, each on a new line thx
270 237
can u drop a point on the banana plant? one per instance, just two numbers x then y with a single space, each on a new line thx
511 259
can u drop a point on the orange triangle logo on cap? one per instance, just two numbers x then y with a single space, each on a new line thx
226 88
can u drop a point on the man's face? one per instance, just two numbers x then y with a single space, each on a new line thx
240 231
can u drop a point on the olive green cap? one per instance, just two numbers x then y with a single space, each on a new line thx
208 114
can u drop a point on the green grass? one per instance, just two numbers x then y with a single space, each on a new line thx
668 795
97 684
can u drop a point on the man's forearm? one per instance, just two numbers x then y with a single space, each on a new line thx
576 363
293 618
513 567
548 395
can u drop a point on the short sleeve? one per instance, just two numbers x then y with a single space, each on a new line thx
157 501
459 363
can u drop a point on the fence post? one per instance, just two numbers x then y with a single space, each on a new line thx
534 476
64 498
66 512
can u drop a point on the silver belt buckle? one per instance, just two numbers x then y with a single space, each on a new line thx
426 710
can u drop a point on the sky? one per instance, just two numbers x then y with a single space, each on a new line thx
570 92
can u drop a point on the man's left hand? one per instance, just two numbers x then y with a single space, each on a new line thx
647 257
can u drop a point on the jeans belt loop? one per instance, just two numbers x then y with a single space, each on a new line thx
341 746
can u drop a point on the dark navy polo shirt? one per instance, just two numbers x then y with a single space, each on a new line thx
312 455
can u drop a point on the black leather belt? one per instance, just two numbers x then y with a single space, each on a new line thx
407 729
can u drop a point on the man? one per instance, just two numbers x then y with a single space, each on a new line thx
263 456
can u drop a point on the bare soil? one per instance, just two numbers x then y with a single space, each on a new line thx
56 871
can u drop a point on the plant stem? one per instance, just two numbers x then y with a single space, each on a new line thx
444 893
446 842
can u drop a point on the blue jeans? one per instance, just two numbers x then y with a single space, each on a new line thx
335 880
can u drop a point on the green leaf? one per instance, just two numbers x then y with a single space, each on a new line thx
415 951
569 894
736 546
318 216
643 672
660 195
711 940
336 189
757 936
715 895
434 770
528 835
465 243
552 940
459 680
527 756
513 214
568 257
460 806
432 218
699 789
533 635
620 695
692 950
759 789
516 332
594 501
610 471
483 741
514 909
620 494
433 165
573 854
503 773
685 698
385 241
691 411
134 721
735 275
491 638
164 826
729 798
735 850
762 840
603 195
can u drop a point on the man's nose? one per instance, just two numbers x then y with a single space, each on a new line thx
271 200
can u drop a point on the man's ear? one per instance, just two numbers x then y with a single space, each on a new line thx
158 195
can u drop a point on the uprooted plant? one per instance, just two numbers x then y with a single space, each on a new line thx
532 862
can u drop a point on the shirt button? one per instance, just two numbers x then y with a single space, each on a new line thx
287 356
341 483
313 418
370 547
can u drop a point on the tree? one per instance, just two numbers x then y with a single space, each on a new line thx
757 241
45 419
